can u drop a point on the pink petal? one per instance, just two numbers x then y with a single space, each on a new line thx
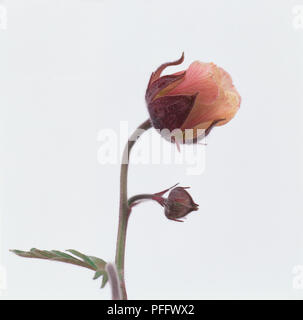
199 78
224 107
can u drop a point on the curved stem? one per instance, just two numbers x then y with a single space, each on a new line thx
124 208
144 196
114 281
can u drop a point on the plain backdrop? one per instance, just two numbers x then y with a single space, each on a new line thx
71 68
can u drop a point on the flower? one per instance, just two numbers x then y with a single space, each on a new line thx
201 97
179 204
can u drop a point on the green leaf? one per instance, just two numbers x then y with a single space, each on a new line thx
98 262
43 254
98 274
63 254
84 257
90 262
104 280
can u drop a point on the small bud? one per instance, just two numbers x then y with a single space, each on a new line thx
179 204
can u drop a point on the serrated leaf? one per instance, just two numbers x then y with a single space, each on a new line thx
100 263
104 275
42 253
98 274
22 253
104 280
90 262
63 254
84 257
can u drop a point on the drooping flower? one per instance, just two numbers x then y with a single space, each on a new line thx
201 97
179 204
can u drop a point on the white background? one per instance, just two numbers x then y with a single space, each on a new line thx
71 68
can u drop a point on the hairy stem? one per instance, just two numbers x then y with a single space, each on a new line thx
124 208
114 281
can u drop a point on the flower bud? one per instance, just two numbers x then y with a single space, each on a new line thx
201 97
178 204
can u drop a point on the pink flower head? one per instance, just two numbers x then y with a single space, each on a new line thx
201 97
